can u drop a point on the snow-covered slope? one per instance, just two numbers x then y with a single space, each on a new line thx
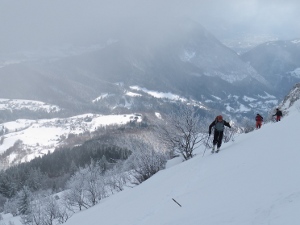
253 180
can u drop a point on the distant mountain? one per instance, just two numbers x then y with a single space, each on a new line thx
181 58
278 62
244 42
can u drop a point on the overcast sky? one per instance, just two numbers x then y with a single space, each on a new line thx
37 23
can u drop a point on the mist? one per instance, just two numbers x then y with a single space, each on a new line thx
34 24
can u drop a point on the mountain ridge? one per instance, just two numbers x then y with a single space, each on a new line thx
187 60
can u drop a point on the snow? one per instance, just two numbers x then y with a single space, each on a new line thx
253 180
229 109
267 96
8 219
18 104
157 94
132 94
248 99
272 102
187 55
216 97
158 115
241 108
297 41
102 96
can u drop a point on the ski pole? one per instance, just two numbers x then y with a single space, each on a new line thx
176 202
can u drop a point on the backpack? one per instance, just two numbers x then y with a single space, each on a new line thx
259 118
219 126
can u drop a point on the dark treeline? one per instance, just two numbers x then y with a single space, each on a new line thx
52 171
62 160
8 115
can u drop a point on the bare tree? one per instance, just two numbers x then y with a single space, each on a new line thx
247 125
86 187
94 184
144 161
116 178
229 134
45 211
50 210
75 195
35 215
181 131
11 206
63 214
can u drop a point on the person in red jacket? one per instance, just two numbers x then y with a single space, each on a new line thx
259 119
218 124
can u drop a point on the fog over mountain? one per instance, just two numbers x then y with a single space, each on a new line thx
181 57
35 24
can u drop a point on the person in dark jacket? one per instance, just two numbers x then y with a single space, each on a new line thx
218 125
259 119
278 115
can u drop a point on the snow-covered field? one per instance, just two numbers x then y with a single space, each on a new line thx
41 136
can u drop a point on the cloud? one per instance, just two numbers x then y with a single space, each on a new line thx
35 23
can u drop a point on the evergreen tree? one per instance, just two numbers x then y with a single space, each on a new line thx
24 199
103 163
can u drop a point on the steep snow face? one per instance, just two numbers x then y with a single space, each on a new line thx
292 98
253 180
296 73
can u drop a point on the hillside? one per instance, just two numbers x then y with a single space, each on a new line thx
253 180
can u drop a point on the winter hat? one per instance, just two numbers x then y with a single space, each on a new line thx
219 117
